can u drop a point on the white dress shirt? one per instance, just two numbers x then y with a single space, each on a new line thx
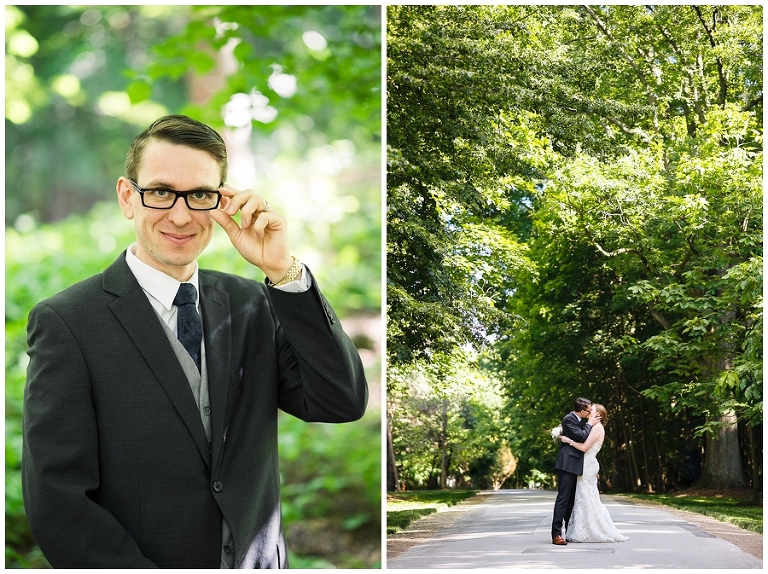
161 289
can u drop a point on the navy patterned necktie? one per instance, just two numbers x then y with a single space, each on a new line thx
189 326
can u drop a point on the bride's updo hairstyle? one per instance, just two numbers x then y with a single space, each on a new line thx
602 412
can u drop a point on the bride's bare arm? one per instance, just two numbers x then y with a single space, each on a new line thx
597 432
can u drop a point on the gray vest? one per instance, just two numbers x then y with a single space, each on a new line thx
198 382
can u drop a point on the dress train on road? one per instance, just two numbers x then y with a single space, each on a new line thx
590 520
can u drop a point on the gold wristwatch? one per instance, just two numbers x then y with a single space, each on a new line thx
290 275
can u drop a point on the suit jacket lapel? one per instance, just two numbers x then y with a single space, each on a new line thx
140 321
217 329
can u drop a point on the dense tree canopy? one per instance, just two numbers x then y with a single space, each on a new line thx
456 166
603 166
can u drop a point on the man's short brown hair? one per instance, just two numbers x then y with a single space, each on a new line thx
182 131
582 404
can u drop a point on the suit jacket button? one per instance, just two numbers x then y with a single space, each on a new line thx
227 550
217 486
206 411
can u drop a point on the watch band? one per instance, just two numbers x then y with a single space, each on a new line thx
290 275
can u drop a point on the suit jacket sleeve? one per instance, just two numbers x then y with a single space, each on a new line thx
60 457
574 430
322 377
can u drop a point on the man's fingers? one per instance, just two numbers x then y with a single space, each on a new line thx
250 209
259 226
225 221
248 202
267 220
236 198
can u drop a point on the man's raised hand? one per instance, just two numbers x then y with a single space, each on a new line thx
261 237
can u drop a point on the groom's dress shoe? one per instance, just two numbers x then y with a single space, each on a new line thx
559 540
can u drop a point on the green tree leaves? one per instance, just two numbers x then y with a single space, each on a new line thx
582 187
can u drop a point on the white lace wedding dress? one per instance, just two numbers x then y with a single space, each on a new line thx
590 520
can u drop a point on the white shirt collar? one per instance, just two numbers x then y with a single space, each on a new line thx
155 283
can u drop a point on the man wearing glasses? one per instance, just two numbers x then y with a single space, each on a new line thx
150 411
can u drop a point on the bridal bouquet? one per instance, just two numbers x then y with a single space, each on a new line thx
556 432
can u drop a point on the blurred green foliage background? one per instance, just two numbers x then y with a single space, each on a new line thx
295 92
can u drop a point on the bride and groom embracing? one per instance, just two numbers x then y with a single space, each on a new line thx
577 467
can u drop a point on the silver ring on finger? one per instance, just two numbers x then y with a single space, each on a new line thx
266 207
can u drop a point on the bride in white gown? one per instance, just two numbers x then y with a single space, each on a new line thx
590 521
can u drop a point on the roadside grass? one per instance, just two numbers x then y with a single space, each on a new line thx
722 508
405 507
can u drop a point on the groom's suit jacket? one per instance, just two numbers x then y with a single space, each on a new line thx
117 470
571 459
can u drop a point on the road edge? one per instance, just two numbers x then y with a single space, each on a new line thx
746 540
428 526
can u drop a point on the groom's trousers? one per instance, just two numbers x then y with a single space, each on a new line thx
566 492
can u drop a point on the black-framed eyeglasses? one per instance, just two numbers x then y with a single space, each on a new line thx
160 198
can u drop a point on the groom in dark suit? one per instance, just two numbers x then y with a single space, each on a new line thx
570 465
150 409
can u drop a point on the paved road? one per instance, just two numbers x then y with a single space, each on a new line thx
511 529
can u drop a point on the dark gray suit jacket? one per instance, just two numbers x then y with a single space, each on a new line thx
571 459
117 471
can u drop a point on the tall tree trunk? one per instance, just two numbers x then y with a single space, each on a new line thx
646 470
633 458
626 427
444 441
722 467
755 467
393 482
661 462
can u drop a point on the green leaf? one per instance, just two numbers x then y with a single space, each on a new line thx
139 90
242 51
203 62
